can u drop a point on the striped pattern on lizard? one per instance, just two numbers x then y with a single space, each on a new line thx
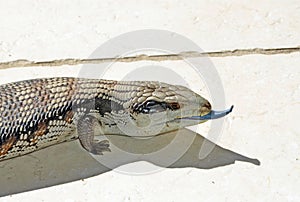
38 113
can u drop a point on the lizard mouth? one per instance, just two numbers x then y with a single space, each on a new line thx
211 115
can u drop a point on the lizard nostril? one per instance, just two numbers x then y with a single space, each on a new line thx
205 109
207 105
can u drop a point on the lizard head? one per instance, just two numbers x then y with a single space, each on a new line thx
152 108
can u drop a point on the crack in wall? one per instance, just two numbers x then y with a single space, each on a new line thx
179 56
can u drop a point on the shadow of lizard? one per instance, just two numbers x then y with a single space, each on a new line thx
68 162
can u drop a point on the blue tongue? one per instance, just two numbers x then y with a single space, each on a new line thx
212 115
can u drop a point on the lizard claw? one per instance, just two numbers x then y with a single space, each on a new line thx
99 147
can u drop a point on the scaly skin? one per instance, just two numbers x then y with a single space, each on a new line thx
38 113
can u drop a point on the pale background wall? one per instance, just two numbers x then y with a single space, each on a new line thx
264 88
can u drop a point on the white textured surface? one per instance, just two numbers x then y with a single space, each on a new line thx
264 89
41 30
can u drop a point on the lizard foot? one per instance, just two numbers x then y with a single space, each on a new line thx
86 131
99 147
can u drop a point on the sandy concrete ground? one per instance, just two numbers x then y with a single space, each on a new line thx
264 89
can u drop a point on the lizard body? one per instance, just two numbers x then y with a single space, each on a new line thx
38 113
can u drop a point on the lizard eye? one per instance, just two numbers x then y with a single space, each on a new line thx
153 106
174 105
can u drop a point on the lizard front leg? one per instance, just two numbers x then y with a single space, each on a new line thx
86 132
